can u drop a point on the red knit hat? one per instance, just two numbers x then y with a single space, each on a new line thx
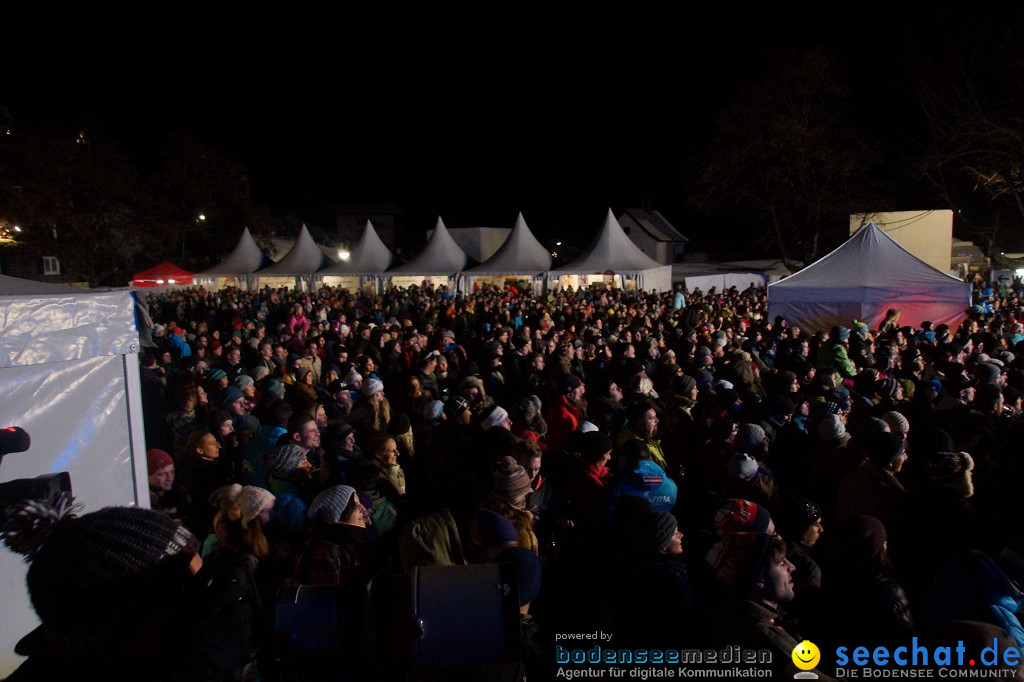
157 459
740 559
737 516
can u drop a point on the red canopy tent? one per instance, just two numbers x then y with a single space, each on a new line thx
164 273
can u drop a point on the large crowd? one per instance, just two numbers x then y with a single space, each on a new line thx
679 470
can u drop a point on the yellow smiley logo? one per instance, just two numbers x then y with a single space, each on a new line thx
806 655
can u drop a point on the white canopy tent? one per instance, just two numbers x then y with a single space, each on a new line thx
238 267
612 253
521 254
862 279
367 261
298 266
70 374
440 259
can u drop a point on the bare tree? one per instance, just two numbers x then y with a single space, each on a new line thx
786 158
972 152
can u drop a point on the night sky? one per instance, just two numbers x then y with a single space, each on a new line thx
473 115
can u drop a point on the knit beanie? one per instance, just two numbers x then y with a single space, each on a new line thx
243 381
455 406
329 506
215 374
275 388
494 418
81 567
258 373
231 394
685 384
986 373
742 466
740 559
570 382
796 514
157 459
511 482
593 445
656 529
738 516
750 438
898 424
284 460
884 448
586 427
241 503
951 470
840 333
887 388
433 410
372 386
832 430
528 571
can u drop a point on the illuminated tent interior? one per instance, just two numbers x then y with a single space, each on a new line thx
614 260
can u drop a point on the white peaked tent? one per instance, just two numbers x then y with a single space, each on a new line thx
369 258
521 254
862 279
301 262
239 265
69 368
612 252
441 257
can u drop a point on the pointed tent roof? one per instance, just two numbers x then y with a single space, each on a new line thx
304 258
160 274
368 257
611 250
521 254
441 256
245 259
864 277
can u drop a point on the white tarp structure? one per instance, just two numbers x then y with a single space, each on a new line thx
440 258
70 375
613 253
238 267
368 259
300 264
725 275
705 276
479 243
862 279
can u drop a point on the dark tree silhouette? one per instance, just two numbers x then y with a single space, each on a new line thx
786 159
